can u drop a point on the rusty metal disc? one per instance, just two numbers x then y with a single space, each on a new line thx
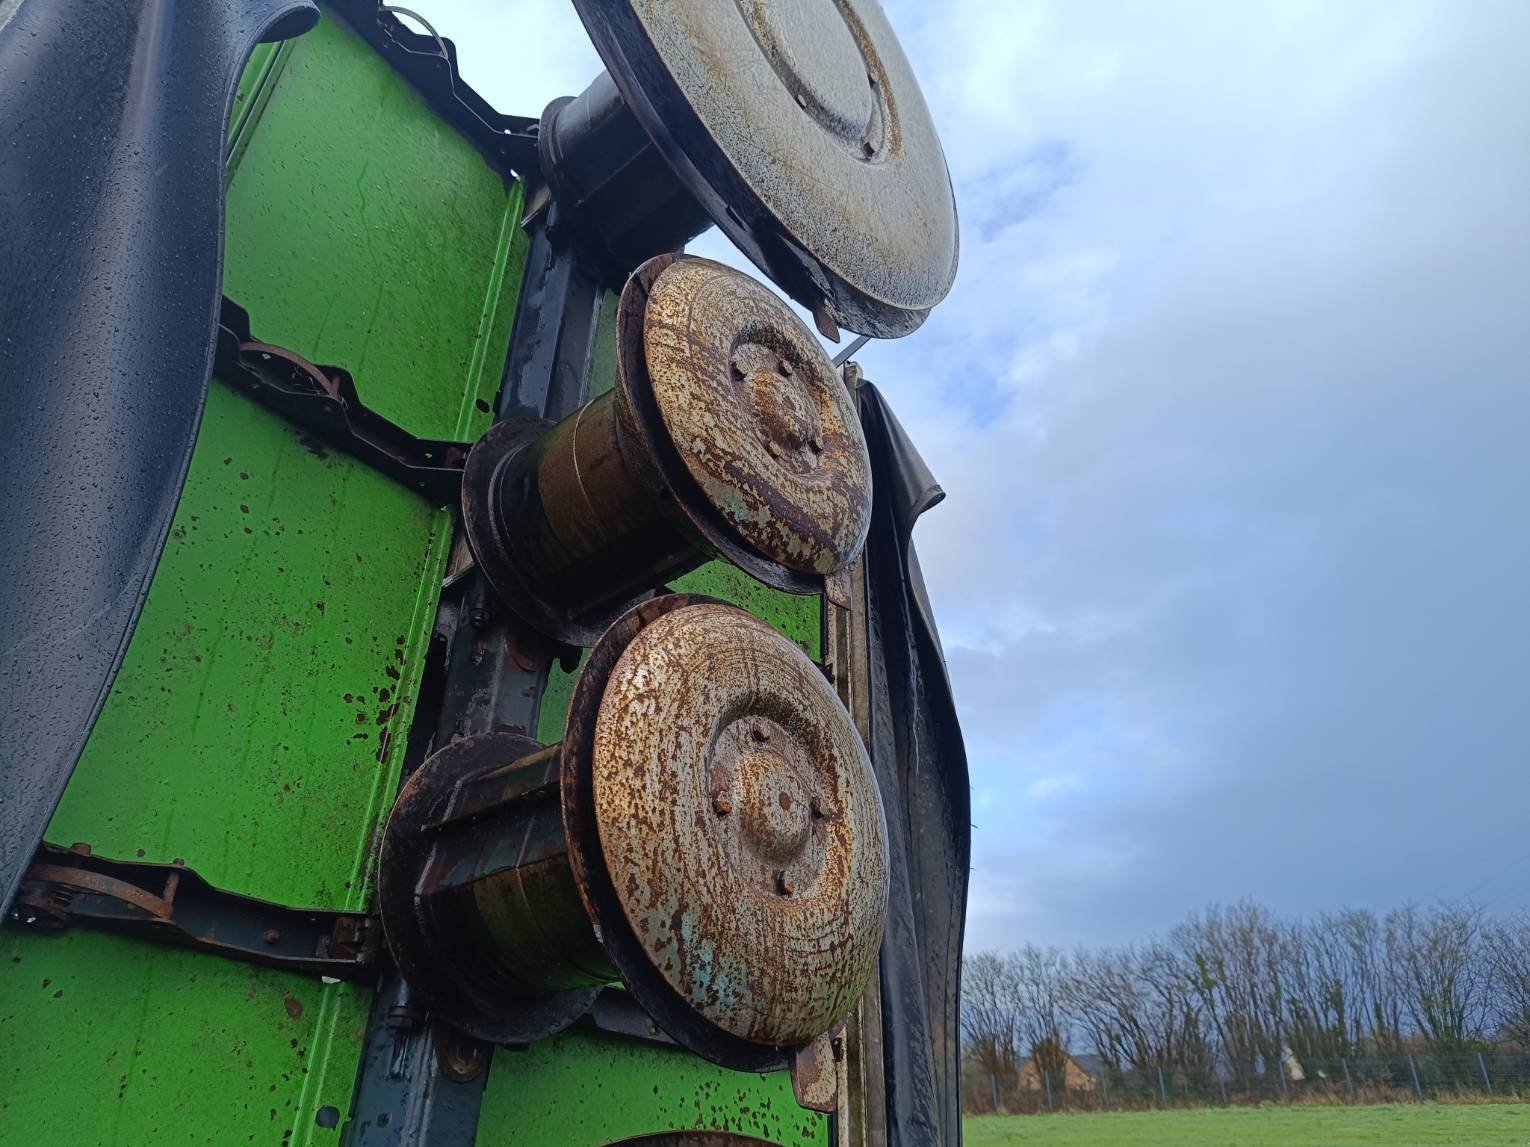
756 413
799 126
739 823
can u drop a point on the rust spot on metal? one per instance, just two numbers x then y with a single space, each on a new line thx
730 433
745 390
293 1007
815 1077
766 922
739 920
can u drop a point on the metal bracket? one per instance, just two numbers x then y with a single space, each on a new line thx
171 904
323 399
429 63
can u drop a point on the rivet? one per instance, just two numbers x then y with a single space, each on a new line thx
760 731
774 447
784 886
271 935
721 805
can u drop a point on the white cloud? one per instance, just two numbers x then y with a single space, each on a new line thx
1052 784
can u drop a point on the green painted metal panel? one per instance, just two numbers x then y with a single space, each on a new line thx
107 1042
257 724
582 1090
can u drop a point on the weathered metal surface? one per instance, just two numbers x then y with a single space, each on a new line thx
816 1069
740 824
800 128
324 400
476 894
758 414
587 1090
561 526
502 924
620 201
361 230
728 432
539 1097
172 904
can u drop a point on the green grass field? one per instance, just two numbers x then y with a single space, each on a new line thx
1395 1125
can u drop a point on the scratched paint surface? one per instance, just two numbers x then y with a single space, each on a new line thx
583 1089
256 727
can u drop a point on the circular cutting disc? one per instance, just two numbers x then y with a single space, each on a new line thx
799 126
740 824
758 415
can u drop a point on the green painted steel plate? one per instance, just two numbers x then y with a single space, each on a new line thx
256 727
583 1090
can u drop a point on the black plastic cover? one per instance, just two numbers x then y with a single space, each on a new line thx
112 125
921 764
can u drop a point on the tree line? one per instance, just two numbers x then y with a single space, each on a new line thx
1236 989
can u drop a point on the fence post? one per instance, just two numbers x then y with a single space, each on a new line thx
1417 1090
1280 1070
993 1090
1482 1063
1104 1089
1348 1082
1046 1081
1162 1090
1222 1083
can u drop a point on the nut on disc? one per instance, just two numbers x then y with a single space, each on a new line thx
758 415
741 824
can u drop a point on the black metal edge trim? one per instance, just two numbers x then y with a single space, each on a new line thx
507 142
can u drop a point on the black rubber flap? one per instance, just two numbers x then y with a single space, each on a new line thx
112 126
921 764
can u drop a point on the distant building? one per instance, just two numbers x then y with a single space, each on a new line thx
1075 1075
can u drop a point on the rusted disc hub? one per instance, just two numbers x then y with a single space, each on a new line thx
799 127
760 420
729 433
727 828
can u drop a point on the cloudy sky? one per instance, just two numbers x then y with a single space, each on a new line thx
1232 404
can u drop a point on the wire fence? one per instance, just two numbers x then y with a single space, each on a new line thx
1465 1077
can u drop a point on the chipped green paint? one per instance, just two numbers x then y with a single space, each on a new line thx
257 725
583 1089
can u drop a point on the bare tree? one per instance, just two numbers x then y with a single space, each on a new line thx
1236 959
1236 986
1040 975
1508 954
1438 959
991 1011
1136 1007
